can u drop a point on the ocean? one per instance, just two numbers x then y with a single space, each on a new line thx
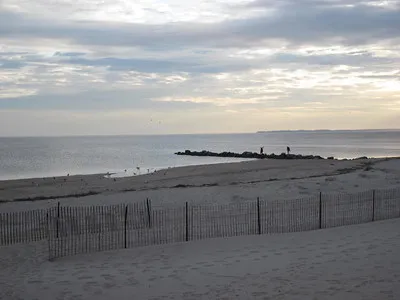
26 157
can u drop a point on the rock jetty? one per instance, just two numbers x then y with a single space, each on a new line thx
249 155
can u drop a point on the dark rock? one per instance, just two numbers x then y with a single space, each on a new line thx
248 154
362 157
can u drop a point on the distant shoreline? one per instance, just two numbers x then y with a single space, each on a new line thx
329 131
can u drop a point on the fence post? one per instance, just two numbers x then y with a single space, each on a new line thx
58 217
99 213
258 216
373 205
48 235
8 233
320 210
125 223
187 221
148 205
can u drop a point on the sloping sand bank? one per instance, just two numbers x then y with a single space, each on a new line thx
220 183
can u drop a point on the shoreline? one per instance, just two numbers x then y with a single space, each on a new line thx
121 173
130 172
210 183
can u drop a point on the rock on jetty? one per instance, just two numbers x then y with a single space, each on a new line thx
249 155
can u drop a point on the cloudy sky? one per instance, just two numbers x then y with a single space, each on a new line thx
179 66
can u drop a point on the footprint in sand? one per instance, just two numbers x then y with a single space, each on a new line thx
35 282
155 278
84 277
108 285
303 258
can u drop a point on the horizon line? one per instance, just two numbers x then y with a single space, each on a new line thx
218 133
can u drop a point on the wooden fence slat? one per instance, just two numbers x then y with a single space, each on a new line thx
18 227
33 225
5 229
2 227
15 227
39 225
11 228
14 223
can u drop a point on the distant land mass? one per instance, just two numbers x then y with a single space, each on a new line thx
329 130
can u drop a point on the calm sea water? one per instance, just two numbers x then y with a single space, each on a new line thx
52 156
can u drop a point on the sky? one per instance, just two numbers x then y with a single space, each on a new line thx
75 67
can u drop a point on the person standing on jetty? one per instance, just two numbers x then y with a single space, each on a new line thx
288 150
261 150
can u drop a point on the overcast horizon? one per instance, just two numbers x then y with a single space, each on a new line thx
214 133
90 67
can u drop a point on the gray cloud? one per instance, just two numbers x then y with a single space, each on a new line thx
330 59
9 64
158 65
303 4
296 22
395 76
8 53
69 54
98 100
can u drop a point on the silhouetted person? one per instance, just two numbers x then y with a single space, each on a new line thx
261 150
288 150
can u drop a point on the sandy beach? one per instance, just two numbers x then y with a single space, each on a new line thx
354 262
219 183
